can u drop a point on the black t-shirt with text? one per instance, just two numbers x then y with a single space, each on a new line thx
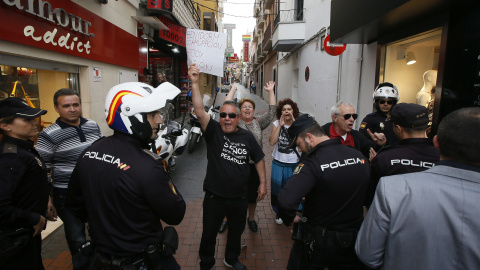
228 155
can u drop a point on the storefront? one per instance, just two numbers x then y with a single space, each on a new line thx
53 44
430 49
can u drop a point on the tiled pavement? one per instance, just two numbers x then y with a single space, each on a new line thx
269 248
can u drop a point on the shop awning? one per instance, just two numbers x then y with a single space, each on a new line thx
363 22
152 21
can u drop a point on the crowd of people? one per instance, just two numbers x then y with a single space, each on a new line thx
382 197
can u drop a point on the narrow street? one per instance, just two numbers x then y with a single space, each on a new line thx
269 248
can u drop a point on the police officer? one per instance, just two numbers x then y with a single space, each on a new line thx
385 97
413 153
121 188
333 179
24 187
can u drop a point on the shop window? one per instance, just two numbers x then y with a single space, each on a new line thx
411 64
39 85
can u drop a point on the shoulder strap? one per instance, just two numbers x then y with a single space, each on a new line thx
9 148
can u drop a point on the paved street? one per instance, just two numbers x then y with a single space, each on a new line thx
269 248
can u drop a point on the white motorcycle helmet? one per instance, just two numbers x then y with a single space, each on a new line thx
127 105
386 90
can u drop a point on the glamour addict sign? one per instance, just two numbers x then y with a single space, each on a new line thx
66 27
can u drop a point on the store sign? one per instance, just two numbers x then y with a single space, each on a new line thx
333 49
245 49
160 5
176 33
65 27
97 74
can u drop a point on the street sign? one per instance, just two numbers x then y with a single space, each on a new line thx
333 49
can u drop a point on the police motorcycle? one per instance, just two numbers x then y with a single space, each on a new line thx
195 130
171 142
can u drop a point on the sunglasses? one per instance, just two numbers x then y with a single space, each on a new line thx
348 115
389 102
231 115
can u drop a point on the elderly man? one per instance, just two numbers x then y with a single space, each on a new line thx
229 149
333 178
413 153
343 117
429 220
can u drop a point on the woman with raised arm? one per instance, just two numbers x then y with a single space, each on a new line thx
284 159
254 124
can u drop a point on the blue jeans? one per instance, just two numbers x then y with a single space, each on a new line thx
73 226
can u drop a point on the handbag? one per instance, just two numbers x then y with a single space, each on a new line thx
12 242
27 98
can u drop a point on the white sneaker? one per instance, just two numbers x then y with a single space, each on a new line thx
278 220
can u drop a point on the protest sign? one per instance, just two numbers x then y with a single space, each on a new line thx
207 50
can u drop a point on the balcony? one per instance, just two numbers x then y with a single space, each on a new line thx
260 54
260 26
255 35
267 39
289 30
268 3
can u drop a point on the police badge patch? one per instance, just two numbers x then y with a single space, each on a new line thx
363 125
298 168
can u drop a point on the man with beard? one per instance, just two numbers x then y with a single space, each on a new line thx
333 179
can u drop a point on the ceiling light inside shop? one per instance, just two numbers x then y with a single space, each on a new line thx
410 58
175 50
169 45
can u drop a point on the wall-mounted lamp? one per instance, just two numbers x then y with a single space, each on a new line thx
410 58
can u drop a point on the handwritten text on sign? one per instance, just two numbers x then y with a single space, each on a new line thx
207 50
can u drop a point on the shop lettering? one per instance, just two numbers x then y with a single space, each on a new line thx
337 164
62 41
408 162
57 15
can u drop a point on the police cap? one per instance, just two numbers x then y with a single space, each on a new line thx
303 122
409 115
17 107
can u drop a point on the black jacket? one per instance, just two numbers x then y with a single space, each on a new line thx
362 143
376 122
123 192
409 155
24 185
333 178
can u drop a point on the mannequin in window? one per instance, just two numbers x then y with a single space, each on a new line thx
425 95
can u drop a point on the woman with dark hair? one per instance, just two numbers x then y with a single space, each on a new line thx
284 159
24 187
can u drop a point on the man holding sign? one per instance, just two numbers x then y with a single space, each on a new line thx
229 149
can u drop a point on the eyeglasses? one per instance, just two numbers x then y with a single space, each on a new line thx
348 115
231 115
389 102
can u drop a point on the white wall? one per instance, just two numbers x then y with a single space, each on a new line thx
317 95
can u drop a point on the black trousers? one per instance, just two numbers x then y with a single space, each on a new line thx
214 210
29 258
328 252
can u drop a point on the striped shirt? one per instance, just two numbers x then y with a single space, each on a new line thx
61 144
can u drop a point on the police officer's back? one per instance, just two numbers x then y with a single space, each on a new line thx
121 188
414 152
333 178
